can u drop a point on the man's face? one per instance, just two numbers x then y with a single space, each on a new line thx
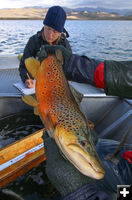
50 34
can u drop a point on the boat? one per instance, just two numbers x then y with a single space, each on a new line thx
112 117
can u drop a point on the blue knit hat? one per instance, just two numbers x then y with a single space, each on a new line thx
55 18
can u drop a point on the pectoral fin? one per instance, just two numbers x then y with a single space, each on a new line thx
77 95
31 102
32 66
36 112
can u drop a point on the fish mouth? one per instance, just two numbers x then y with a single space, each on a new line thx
83 161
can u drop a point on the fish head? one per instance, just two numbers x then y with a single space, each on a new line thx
80 152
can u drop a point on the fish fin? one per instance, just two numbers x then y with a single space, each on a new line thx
36 112
20 56
29 100
32 66
77 95
49 124
59 56
91 125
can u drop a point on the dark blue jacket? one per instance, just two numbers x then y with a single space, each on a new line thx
116 75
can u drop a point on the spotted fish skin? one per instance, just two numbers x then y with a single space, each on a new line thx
54 93
63 119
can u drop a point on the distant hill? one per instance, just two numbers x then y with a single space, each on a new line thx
124 12
74 14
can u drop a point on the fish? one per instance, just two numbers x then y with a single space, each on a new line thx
61 115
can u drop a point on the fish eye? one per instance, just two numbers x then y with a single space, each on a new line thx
83 143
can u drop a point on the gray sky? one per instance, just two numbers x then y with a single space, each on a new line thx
120 4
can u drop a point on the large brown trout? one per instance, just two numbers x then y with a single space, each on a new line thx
61 115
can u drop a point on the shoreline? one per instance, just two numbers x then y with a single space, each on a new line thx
81 19
39 14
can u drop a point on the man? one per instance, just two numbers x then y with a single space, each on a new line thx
52 33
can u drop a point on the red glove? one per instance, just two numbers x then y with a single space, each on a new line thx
128 156
99 76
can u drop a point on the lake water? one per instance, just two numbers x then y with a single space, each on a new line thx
96 39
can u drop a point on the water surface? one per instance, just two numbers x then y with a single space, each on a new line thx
93 38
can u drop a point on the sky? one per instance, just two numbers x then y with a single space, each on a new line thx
120 4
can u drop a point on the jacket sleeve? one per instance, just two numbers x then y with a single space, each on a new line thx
88 192
118 78
82 69
29 51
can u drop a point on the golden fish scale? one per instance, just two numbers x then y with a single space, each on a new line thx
59 100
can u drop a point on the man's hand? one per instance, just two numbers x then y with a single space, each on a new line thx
29 83
47 49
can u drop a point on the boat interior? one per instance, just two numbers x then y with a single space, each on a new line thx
112 116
